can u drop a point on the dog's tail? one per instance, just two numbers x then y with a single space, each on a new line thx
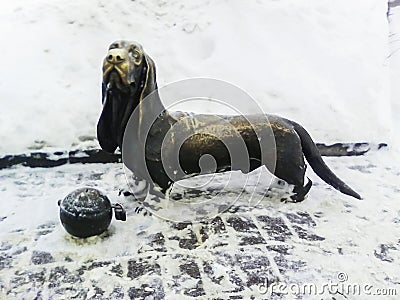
314 158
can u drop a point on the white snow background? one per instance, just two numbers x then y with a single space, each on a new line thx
321 63
332 66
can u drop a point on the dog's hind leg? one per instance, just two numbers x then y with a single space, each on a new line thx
300 192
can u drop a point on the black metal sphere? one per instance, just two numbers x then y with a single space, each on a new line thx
85 212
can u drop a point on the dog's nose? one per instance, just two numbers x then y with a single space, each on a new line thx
116 56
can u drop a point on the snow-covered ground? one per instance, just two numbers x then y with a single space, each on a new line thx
333 66
308 243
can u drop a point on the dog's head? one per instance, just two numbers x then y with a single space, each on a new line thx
128 77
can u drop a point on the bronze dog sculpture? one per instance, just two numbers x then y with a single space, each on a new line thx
129 77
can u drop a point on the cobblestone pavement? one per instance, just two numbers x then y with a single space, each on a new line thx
235 255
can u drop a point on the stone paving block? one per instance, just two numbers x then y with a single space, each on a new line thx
61 275
41 258
305 234
275 228
247 231
383 252
284 258
156 243
301 218
256 267
152 290
142 266
241 224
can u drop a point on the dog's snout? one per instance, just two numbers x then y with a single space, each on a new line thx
116 56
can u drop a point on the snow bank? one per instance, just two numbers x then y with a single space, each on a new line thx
319 62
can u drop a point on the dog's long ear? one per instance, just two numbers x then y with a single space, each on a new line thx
150 81
153 103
